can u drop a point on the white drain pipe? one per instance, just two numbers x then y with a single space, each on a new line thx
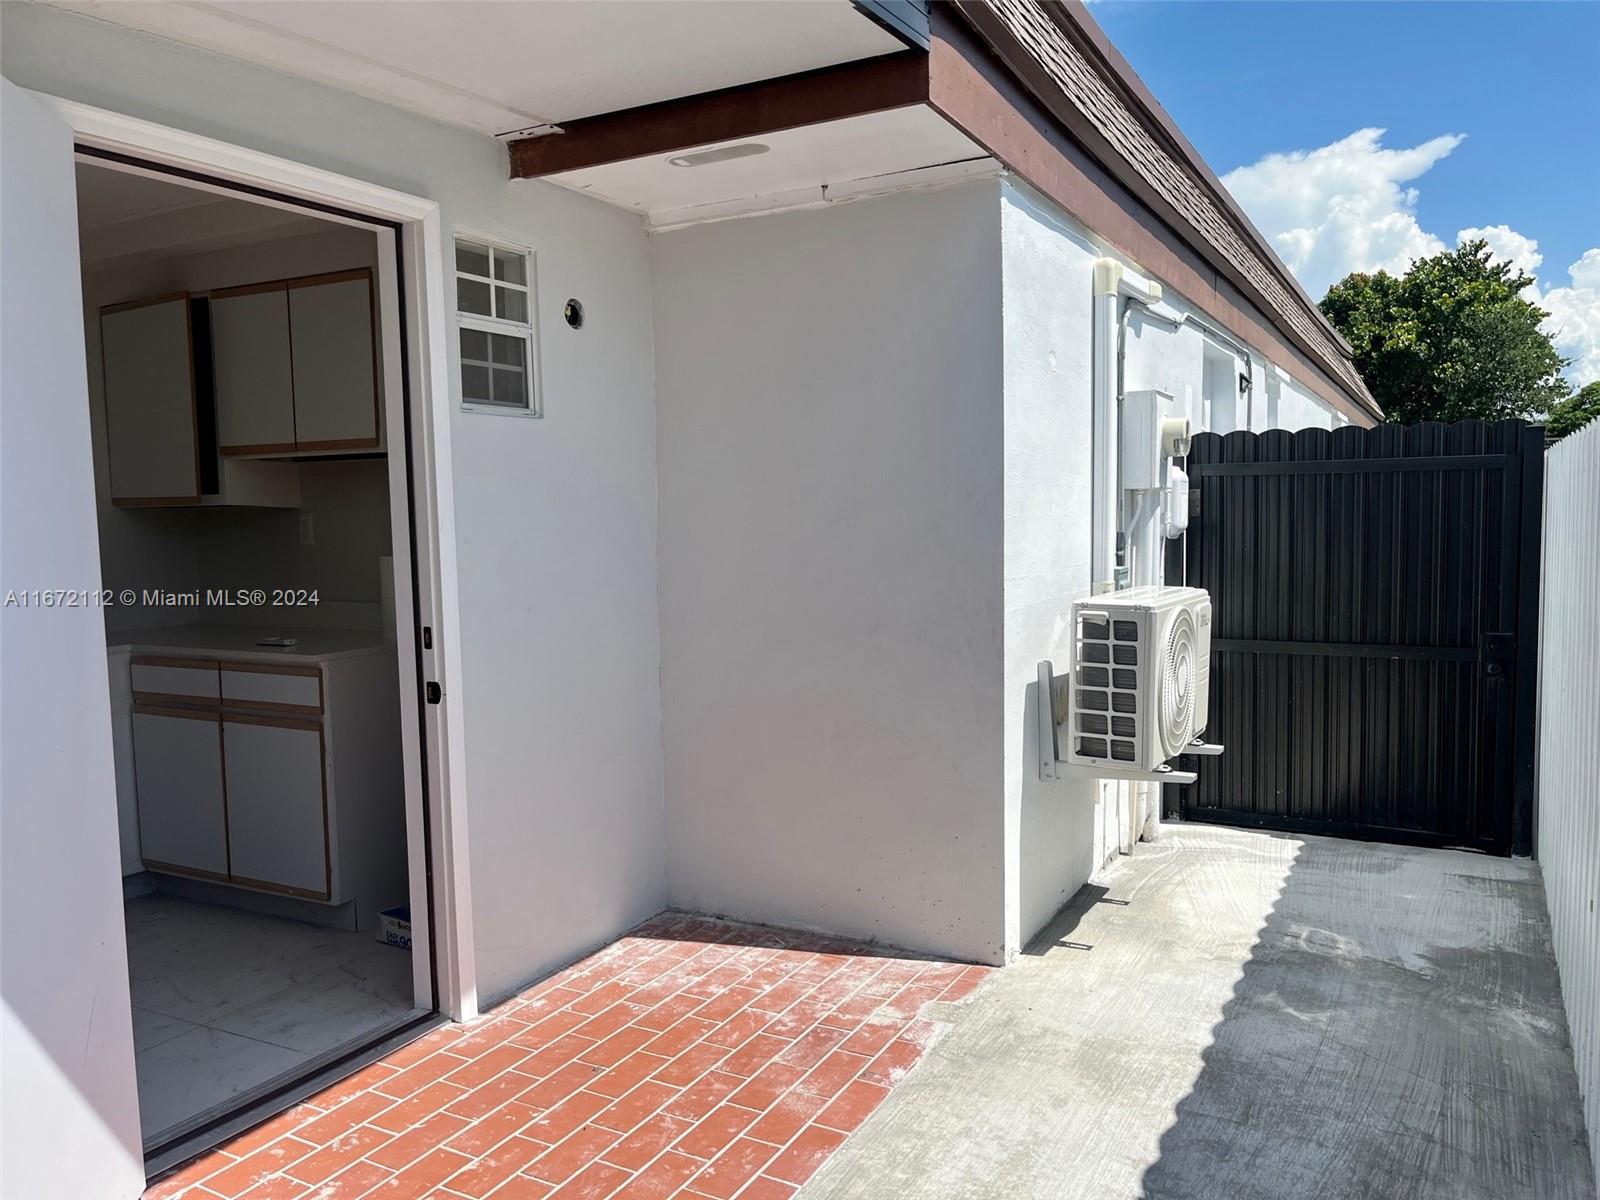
1115 292
1104 505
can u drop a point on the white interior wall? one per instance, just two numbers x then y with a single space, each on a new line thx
829 388
555 518
69 1115
348 502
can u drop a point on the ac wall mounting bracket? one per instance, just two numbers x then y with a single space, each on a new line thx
1052 767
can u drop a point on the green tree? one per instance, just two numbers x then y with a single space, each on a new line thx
1451 339
1573 413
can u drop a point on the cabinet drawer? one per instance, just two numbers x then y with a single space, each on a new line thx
285 689
174 678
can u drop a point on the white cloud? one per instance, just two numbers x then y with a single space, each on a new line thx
1341 208
1574 321
1506 244
1575 318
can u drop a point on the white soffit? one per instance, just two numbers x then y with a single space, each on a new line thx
882 151
503 65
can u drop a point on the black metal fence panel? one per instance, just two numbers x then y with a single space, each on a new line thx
1373 656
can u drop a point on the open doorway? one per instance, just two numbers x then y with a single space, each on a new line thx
250 485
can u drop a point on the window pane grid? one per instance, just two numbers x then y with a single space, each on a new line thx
494 368
495 318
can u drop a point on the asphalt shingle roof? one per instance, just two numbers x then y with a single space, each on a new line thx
1176 173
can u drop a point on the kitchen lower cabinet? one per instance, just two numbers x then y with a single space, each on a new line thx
283 776
177 765
277 805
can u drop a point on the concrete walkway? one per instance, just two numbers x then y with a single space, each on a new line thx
1244 1015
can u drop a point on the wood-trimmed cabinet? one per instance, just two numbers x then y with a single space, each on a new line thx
178 758
295 362
152 404
276 777
160 410
277 804
201 391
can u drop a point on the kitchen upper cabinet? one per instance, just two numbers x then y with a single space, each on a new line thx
295 368
277 823
152 418
177 769
251 362
335 377
161 410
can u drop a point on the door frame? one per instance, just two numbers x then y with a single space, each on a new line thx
436 737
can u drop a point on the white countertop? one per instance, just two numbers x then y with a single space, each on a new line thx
239 642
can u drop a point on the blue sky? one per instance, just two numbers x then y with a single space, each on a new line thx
1490 120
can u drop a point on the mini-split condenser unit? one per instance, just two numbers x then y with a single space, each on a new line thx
1140 677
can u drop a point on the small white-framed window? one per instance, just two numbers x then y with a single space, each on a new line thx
495 310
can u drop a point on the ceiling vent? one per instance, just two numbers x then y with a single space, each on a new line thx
704 158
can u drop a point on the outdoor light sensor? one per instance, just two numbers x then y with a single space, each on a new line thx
702 158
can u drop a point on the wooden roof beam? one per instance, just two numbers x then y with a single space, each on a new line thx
733 114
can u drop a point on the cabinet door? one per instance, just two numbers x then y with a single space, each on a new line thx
177 771
335 381
250 362
151 431
277 831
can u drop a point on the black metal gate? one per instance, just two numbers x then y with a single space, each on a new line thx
1373 654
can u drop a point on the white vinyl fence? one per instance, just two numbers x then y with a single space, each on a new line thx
1569 741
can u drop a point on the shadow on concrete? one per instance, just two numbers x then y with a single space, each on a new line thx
1057 935
1397 1031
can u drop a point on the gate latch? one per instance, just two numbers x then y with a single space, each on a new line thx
1499 649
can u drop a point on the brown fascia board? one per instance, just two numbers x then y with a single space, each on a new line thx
1074 17
999 110
968 37
751 110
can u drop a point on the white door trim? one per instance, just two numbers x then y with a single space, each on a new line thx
427 323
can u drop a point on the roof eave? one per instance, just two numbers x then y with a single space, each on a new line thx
1068 17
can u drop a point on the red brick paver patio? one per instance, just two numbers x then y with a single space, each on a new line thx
692 1058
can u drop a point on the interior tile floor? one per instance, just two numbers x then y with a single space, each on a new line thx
224 1000
691 1058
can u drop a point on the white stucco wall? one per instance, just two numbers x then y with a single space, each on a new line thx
1047 318
830 463
1060 833
555 518
69 1117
